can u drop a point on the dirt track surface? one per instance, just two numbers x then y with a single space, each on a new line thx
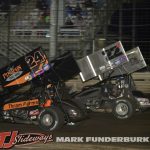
98 125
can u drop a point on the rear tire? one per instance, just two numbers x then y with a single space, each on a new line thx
123 108
51 119
74 113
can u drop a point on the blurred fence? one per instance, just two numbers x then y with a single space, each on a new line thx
82 27
142 81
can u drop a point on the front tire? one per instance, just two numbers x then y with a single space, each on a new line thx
51 119
123 108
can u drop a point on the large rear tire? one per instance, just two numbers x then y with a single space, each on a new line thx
51 119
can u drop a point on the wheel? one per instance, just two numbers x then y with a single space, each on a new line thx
51 119
123 108
75 113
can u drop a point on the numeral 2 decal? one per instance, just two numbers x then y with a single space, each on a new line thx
35 59
113 52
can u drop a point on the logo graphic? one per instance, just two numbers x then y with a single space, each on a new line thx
22 104
10 139
13 73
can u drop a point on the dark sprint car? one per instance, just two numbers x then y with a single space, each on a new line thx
40 104
116 91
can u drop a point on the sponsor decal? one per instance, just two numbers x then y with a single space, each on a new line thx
22 104
10 139
40 71
18 81
13 73
13 138
34 112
